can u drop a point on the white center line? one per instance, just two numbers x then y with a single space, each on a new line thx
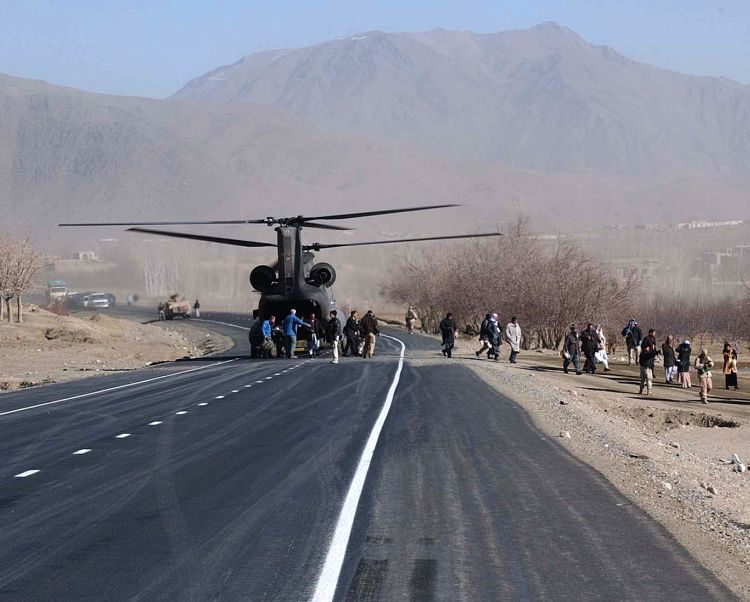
181 412
247 386
80 452
26 473
155 423
258 382
203 403
329 575
269 377
236 391
123 436
277 374
125 386
222 323
219 397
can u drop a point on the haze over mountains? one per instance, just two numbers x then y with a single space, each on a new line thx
540 99
537 121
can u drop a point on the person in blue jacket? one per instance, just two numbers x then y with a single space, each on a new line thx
291 323
267 330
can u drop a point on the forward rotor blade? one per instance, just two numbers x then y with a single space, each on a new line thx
193 223
381 212
318 246
324 226
217 239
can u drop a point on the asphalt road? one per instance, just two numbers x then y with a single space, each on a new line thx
224 479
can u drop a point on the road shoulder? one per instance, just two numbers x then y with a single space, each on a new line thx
643 460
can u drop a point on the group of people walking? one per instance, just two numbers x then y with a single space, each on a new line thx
357 336
361 335
491 336
644 352
591 344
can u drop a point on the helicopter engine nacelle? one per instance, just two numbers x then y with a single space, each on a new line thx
323 274
262 277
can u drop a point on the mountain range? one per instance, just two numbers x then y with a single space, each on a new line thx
535 121
541 99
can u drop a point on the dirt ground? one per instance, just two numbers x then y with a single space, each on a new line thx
669 453
48 348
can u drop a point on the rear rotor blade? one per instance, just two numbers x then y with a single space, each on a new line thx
193 223
318 246
381 212
217 239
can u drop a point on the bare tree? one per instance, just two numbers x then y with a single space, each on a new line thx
20 264
514 275
6 292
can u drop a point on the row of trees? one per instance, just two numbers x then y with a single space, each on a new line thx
551 288
703 318
20 262
513 275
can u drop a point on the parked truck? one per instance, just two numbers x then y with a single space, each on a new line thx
174 308
57 291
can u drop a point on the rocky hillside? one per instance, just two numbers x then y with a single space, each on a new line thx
541 99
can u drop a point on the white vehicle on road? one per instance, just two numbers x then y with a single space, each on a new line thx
98 301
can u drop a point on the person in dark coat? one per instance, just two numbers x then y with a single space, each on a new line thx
572 350
277 336
484 336
351 332
670 360
494 337
448 332
684 350
633 335
730 367
650 339
333 333
369 327
646 360
590 345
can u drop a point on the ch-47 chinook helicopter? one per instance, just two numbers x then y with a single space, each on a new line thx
294 280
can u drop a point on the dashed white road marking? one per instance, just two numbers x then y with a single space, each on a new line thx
258 382
247 386
277 374
117 388
26 473
203 403
235 391
219 397
155 423
181 412
80 452
122 436
269 377
329 575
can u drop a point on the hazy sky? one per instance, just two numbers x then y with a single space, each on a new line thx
151 48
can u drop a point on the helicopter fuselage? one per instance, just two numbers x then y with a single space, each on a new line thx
294 286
